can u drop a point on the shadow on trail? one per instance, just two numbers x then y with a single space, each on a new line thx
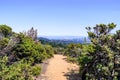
44 66
72 75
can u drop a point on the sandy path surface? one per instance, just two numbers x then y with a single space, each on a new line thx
58 69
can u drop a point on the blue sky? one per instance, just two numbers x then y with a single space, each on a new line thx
58 17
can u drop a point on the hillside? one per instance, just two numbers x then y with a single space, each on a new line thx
63 40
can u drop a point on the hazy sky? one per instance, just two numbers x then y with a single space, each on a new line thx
58 17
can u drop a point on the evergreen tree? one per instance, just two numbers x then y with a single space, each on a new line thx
99 62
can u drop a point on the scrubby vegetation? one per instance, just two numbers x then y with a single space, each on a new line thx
99 59
20 53
72 52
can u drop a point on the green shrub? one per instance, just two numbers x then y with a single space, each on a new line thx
27 48
3 43
21 54
17 71
36 70
71 59
49 51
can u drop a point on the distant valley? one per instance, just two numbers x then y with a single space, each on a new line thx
63 39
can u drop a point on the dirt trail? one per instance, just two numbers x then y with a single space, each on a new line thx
59 69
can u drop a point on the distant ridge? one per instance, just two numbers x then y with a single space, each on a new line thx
64 39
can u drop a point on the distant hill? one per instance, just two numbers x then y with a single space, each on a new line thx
63 37
62 40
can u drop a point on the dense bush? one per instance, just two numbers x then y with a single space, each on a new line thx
73 50
27 48
72 59
36 70
98 59
49 51
5 31
17 71
3 43
20 54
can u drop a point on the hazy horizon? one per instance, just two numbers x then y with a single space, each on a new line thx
64 37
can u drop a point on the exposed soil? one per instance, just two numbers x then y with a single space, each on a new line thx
57 68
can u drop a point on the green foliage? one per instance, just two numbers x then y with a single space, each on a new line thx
17 71
111 26
91 34
97 59
71 59
5 30
36 70
49 51
20 54
3 43
73 50
59 50
27 49
53 43
84 59
39 53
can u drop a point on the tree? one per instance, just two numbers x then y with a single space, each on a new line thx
31 33
99 62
